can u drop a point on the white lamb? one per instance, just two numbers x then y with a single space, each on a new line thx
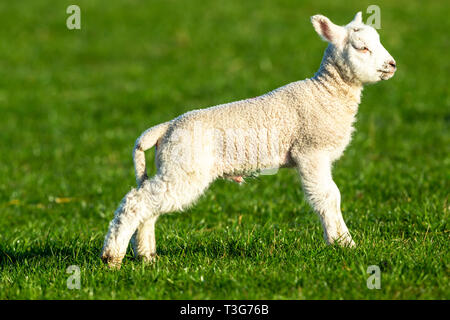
305 124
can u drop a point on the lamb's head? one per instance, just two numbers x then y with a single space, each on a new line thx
356 49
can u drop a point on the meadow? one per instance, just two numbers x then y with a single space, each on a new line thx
72 103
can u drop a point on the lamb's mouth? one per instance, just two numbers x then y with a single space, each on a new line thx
386 74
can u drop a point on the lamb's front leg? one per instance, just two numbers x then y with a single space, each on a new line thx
324 196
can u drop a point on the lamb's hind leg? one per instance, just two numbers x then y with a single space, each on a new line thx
324 196
154 197
127 218
144 242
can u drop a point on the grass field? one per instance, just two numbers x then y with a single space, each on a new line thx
72 104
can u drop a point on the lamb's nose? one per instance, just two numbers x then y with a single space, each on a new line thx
392 64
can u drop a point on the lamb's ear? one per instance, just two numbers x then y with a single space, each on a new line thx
358 18
327 30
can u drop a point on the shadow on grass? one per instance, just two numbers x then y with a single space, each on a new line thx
77 252
50 251
230 248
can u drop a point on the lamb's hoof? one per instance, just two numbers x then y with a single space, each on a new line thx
349 244
147 259
111 261
345 241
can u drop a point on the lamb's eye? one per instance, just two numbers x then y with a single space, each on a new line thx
361 48
364 49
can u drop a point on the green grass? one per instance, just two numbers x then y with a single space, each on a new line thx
72 104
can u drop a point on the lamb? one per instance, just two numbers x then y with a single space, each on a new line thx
304 125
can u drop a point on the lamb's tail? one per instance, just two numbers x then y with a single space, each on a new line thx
147 140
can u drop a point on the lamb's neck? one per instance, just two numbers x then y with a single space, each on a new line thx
330 80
